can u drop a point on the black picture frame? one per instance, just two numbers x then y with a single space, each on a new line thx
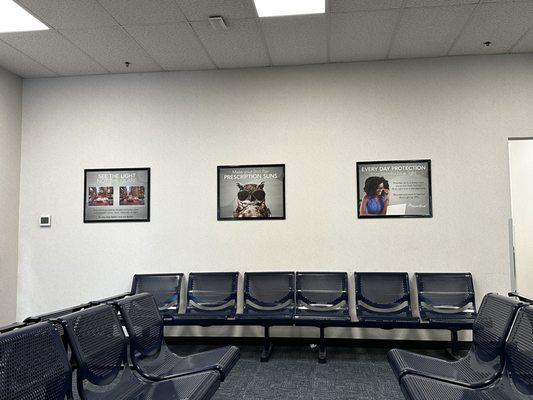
392 162
221 218
111 170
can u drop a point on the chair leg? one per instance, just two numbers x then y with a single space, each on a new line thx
454 351
455 343
322 357
267 346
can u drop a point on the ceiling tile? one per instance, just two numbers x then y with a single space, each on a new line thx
142 12
362 36
199 10
501 23
240 46
112 47
296 40
53 51
70 14
437 3
525 45
173 46
429 32
20 64
343 6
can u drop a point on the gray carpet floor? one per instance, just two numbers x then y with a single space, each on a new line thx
294 373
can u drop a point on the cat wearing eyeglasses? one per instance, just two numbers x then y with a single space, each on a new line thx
251 201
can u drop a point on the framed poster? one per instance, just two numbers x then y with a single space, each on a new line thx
117 195
394 189
251 192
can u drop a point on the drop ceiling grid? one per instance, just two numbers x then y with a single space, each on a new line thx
55 21
54 51
132 16
460 33
396 28
527 34
126 68
26 54
181 51
429 31
26 66
503 23
522 45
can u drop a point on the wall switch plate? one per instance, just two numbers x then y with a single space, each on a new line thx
45 221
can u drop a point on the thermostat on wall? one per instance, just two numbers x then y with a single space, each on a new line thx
45 221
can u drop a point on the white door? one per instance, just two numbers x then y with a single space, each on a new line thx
521 169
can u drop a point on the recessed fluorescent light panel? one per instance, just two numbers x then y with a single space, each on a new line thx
275 8
14 18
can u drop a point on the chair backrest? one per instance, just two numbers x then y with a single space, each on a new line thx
492 325
109 300
212 292
12 326
519 352
322 291
55 314
166 289
98 344
446 295
269 291
34 364
382 294
144 324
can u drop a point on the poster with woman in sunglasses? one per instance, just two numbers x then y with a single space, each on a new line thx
251 192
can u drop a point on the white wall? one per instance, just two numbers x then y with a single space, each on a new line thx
521 165
319 121
10 136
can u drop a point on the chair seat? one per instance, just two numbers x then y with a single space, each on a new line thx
203 316
420 388
195 320
451 322
389 319
168 313
467 371
318 316
271 317
200 386
168 364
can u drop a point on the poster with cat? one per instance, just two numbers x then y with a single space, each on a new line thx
251 192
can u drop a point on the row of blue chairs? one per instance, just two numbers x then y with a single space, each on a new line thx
34 356
383 300
442 297
499 364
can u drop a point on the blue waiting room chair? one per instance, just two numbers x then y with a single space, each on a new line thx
383 298
34 364
321 299
211 296
514 383
483 362
446 298
149 352
269 300
100 351
166 289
